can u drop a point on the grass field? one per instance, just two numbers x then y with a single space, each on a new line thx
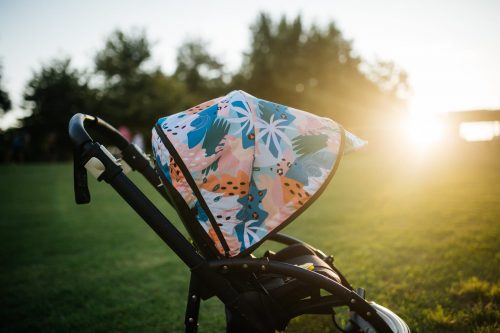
421 234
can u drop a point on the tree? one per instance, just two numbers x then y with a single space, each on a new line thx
54 95
5 103
202 73
123 56
316 69
131 94
272 68
389 77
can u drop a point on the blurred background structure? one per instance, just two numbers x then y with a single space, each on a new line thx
420 80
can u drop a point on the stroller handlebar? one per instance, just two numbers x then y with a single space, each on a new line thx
80 136
86 148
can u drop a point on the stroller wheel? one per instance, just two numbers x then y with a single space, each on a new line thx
396 324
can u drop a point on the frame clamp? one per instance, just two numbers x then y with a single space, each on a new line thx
135 157
101 163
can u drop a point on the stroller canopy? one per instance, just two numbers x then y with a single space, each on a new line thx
247 167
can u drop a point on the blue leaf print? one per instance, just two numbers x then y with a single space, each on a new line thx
268 109
201 216
251 205
245 120
249 233
310 166
201 124
252 227
272 125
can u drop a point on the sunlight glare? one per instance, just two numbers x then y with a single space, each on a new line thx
424 130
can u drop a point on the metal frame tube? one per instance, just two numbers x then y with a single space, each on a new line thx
156 220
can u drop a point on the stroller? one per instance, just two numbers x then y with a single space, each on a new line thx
238 169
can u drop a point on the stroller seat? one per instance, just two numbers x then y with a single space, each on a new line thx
279 296
304 256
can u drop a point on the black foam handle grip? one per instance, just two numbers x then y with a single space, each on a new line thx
80 181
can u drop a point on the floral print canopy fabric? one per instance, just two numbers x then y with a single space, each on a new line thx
246 166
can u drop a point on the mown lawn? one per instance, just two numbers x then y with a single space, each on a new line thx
420 233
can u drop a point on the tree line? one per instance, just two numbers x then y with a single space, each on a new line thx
308 67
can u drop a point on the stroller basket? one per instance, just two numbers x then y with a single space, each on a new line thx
238 169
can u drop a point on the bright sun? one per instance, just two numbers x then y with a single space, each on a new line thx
423 129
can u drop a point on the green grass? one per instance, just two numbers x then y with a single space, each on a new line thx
421 234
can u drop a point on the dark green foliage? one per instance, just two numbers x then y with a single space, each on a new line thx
316 69
201 72
5 103
138 103
123 55
53 95
131 95
310 68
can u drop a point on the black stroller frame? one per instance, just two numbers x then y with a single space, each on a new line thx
247 308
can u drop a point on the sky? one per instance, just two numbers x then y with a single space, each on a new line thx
449 48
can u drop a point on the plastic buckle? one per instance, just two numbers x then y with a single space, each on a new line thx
101 163
95 166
